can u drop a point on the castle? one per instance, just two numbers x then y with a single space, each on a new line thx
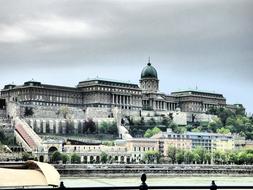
104 93
108 100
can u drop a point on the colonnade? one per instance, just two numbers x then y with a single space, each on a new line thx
159 105
122 100
55 126
97 159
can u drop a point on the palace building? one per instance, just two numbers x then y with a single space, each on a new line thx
105 93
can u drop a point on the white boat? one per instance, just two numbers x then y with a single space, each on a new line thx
29 174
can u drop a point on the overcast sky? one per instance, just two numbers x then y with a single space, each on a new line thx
206 44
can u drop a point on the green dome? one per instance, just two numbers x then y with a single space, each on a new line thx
149 72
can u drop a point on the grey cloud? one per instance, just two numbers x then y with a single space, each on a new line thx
191 39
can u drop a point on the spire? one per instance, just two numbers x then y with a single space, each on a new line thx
149 61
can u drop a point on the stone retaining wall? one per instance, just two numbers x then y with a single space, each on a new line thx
125 170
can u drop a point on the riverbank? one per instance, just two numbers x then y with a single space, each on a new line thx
129 170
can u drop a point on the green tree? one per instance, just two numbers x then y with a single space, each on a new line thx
232 157
27 156
65 158
196 157
75 159
223 130
89 126
166 121
151 132
181 130
172 151
196 130
214 125
148 133
220 157
152 156
152 122
201 154
173 127
28 112
56 157
188 157
104 157
180 153
242 157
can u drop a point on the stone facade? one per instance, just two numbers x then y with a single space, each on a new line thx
108 94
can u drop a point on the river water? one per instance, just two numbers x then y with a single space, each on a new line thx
135 181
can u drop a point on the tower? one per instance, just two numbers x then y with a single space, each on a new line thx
149 82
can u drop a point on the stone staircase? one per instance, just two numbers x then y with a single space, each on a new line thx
26 136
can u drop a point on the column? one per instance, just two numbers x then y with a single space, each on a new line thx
44 126
51 126
63 124
38 126
56 126
75 126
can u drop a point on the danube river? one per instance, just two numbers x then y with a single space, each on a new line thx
163 181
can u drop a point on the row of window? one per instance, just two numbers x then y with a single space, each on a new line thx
113 90
143 148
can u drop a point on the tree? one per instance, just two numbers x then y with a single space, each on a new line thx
148 133
197 130
166 121
152 122
151 132
27 156
173 126
28 112
215 124
223 130
89 126
75 159
242 157
196 157
232 157
152 156
180 156
188 158
56 157
172 154
200 159
64 111
65 158
108 128
180 130
104 157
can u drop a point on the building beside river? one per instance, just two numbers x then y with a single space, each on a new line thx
104 93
